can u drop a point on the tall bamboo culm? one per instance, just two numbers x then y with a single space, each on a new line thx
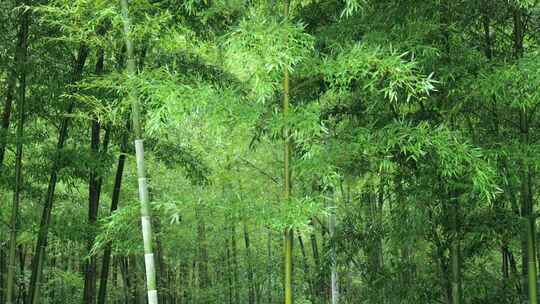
21 59
141 170
334 279
288 246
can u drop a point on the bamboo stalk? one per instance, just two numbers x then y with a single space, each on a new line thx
21 58
141 170
288 246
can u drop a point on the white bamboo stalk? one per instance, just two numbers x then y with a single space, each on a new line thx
146 220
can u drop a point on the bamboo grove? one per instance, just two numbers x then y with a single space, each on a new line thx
269 151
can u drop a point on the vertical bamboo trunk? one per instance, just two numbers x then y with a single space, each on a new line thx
171 291
334 275
455 252
235 264
488 52
176 284
114 280
22 264
185 291
529 275
8 104
39 254
90 266
317 286
104 274
250 275
288 236
114 206
52 265
529 230
68 265
269 266
220 278
379 243
180 287
21 58
137 297
6 115
160 260
230 282
179 278
141 170
203 273
372 247
504 264
126 282
172 283
315 249
529 220
307 272
193 282
531 233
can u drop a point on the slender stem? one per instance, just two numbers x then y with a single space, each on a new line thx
141 170
333 256
94 190
114 205
533 297
21 57
39 254
288 247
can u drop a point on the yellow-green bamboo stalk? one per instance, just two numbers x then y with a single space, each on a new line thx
141 170
288 251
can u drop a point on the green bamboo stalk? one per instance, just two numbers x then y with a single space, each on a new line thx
455 253
236 282
250 272
269 266
334 275
141 170
41 244
6 115
533 298
22 49
94 190
288 246
114 205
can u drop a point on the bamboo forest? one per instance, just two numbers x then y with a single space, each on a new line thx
269 151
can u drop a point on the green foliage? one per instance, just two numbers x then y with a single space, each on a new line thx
376 72
400 112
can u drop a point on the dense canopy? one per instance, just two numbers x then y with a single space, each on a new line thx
269 151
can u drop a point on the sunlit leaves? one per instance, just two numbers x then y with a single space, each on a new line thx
98 22
524 3
378 72
352 6
296 213
175 101
257 52
81 20
448 153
